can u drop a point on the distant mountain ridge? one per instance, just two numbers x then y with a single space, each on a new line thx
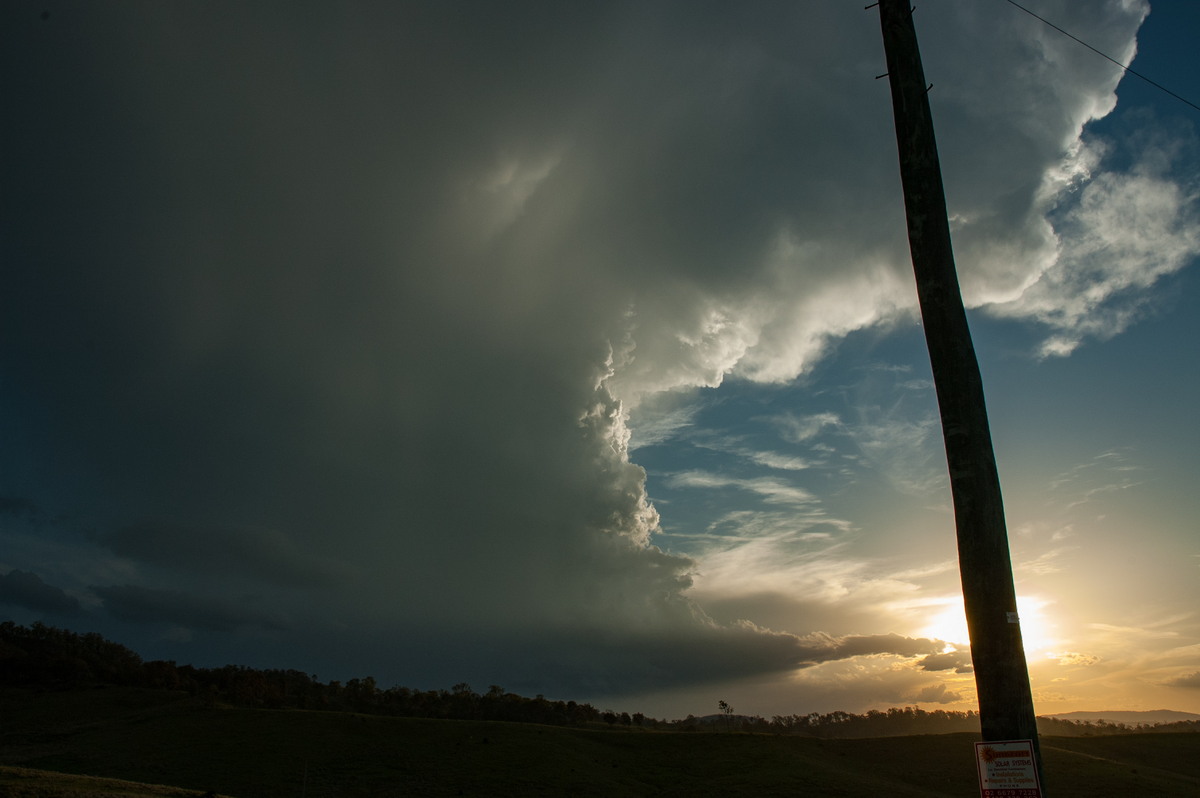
1128 716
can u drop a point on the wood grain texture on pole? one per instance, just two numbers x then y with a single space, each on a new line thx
1001 674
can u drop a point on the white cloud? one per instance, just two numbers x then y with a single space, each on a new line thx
1074 658
1122 234
737 445
903 450
775 460
801 429
772 490
653 425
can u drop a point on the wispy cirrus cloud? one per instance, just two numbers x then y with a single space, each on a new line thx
902 449
1047 562
738 446
1107 473
770 489
1150 633
654 425
796 428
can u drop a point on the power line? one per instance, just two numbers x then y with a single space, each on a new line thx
1158 86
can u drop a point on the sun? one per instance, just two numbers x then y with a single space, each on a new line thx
949 624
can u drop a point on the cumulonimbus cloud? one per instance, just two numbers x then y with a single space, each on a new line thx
187 610
256 553
25 589
397 306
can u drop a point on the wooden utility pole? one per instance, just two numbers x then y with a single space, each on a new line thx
1001 675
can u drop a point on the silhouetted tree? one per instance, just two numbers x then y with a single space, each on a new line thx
727 711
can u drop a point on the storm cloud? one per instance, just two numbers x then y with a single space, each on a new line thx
256 554
139 604
355 301
25 589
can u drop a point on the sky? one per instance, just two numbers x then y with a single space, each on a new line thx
574 348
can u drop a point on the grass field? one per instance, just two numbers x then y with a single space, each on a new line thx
147 738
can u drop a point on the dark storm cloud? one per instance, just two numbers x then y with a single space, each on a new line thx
149 605
859 645
260 554
959 661
19 507
24 589
745 650
606 661
937 694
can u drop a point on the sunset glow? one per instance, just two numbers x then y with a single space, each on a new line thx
950 625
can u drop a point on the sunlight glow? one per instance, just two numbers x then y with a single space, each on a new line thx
950 625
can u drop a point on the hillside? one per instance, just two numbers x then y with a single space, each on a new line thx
46 658
1130 718
169 738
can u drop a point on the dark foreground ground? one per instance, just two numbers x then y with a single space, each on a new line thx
147 739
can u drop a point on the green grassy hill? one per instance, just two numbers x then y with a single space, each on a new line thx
161 738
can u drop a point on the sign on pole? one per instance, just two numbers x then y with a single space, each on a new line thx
1007 769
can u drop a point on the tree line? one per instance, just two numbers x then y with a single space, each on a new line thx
904 721
47 658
